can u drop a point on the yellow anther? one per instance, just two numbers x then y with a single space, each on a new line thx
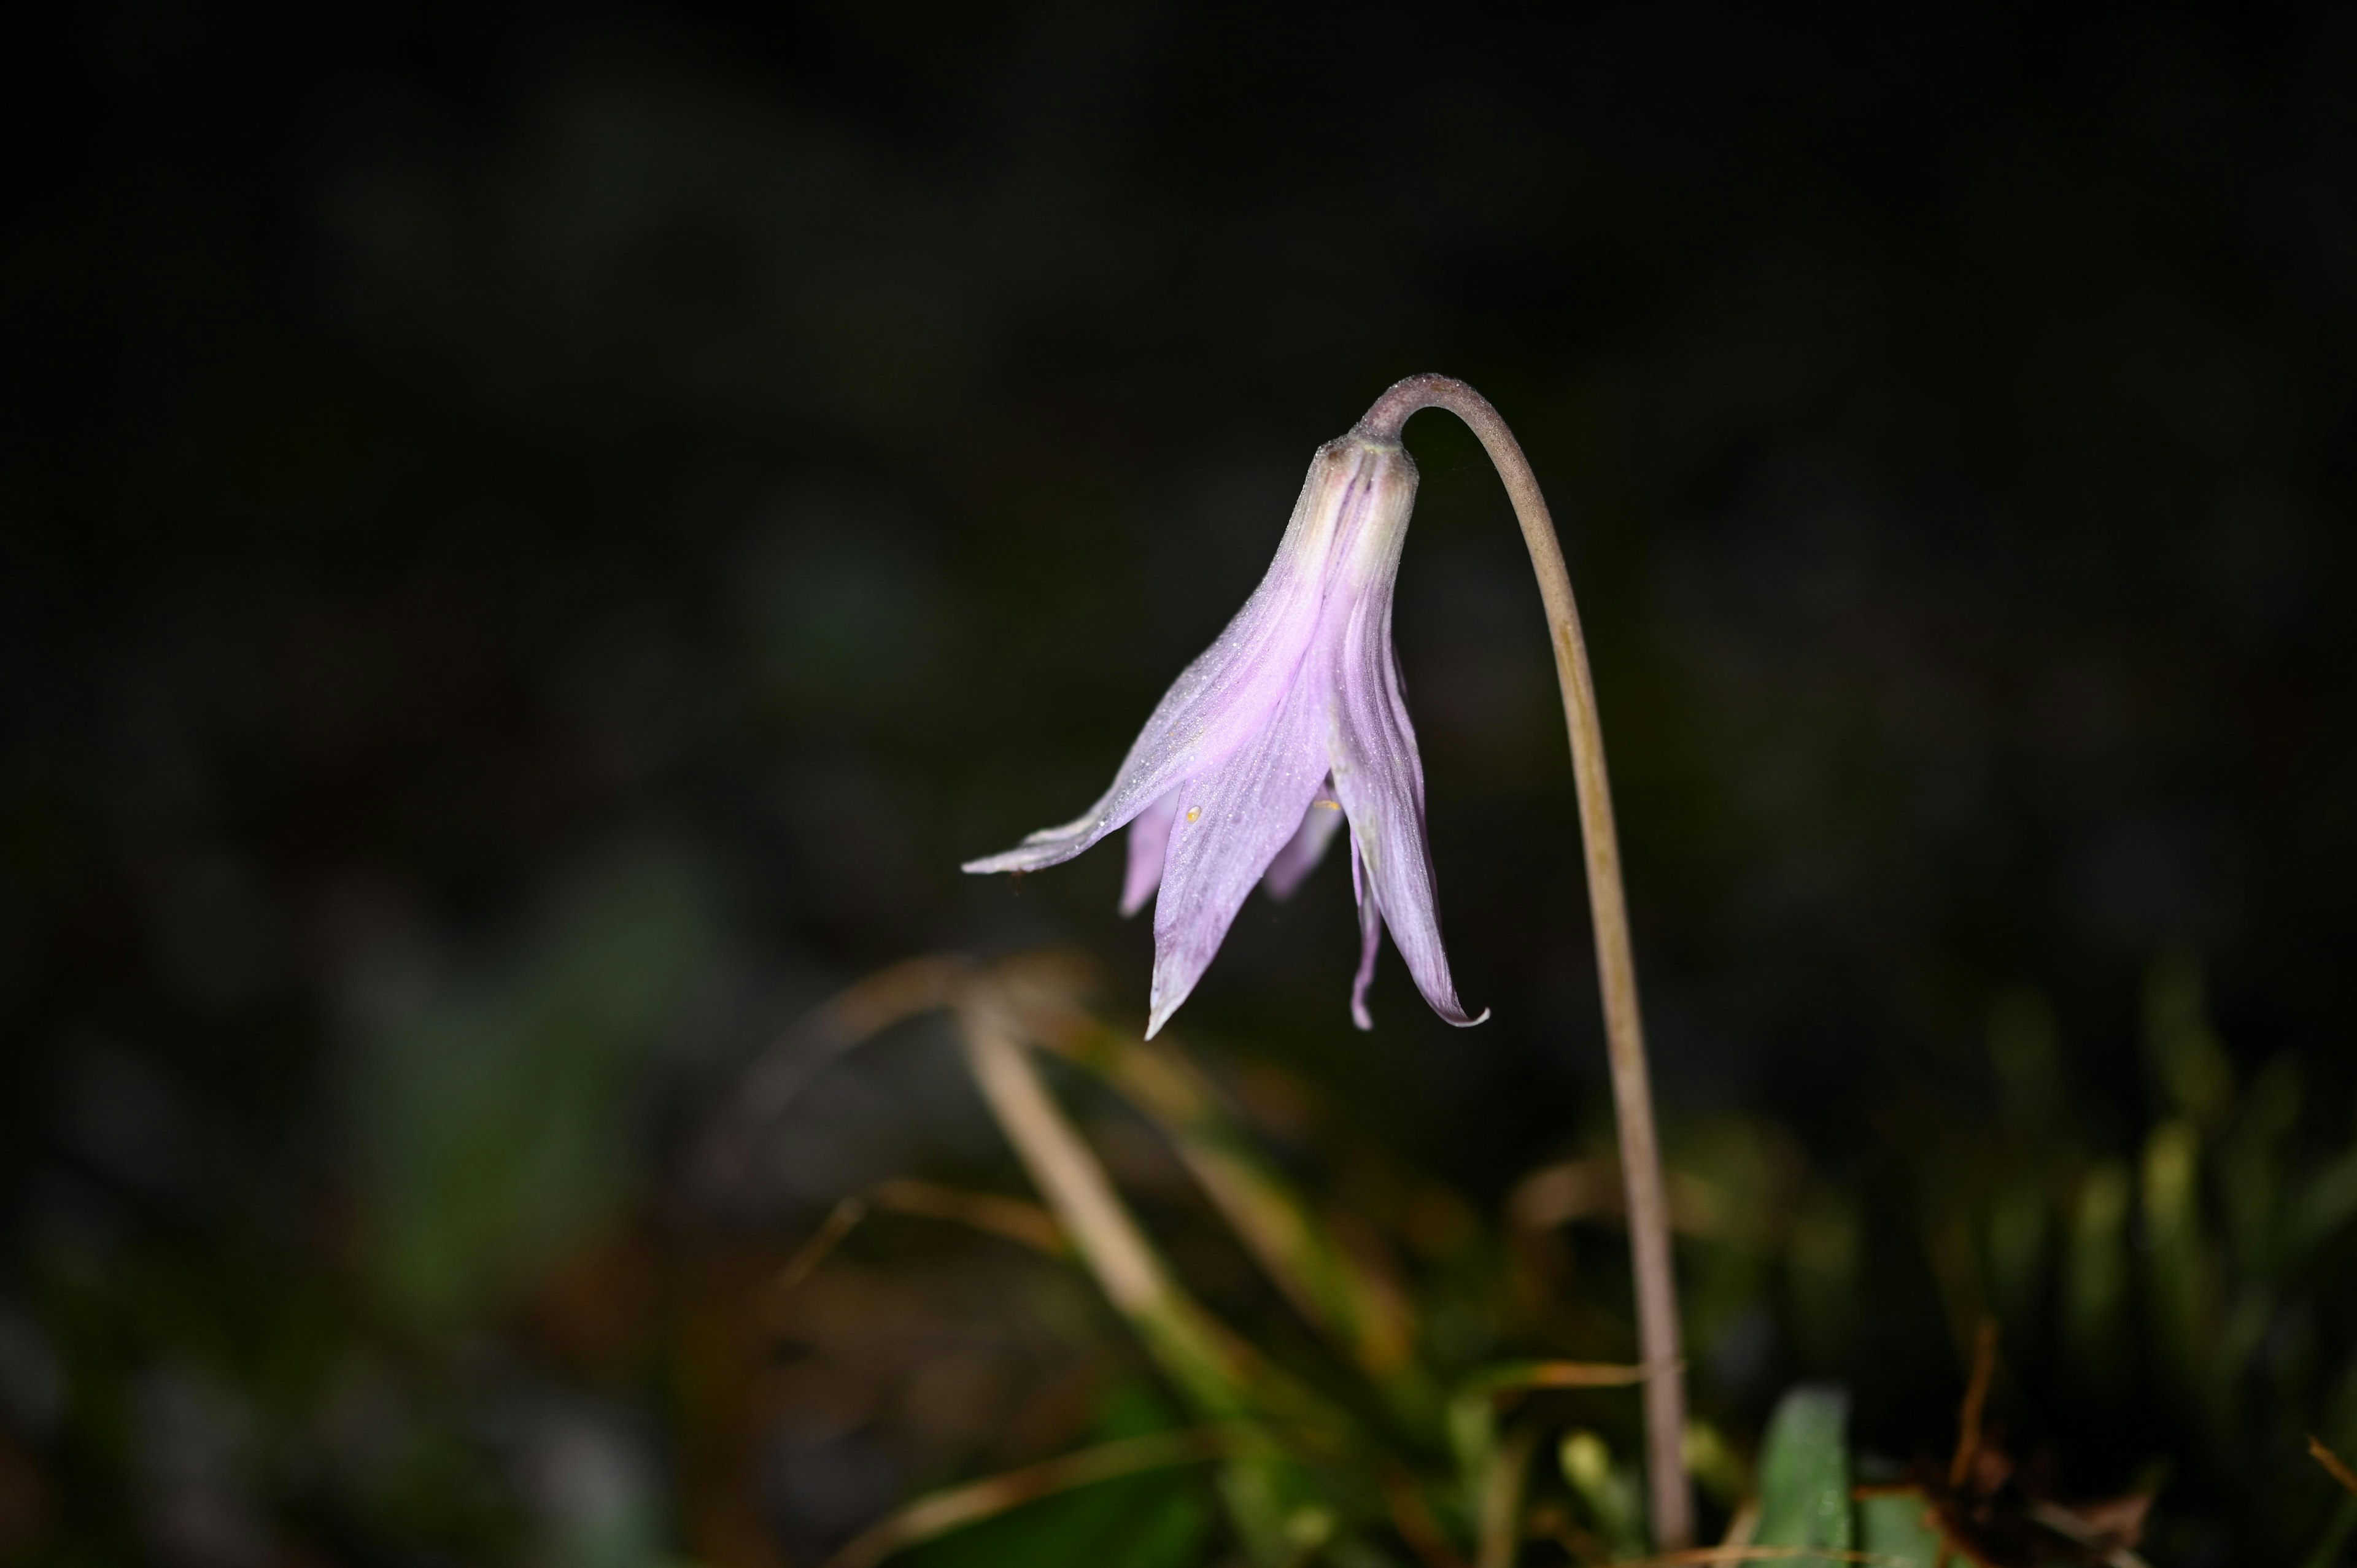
1194 811
1329 805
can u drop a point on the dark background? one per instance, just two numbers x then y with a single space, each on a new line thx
531 544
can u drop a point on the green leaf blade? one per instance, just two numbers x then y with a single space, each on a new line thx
1804 1486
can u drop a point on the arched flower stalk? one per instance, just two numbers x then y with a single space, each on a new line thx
1294 723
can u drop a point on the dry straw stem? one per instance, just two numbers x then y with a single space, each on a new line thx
995 1008
1350 1303
1632 1094
1222 1377
1968 1427
1523 1376
954 1508
1060 1165
1008 1218
2079 1532
840 1221
1769 1554
2334 1466
1412 1516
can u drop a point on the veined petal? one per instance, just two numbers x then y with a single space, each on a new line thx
1228 694
1371 940
1306 847
1380 777
1229 825
1149 837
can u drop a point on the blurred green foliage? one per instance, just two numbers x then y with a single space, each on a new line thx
491 1120
1154 1521
1389 1475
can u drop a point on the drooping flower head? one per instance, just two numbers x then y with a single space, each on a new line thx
1290 726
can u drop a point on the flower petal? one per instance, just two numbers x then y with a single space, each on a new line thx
1149 838
1302 853
1230 825
1233 690
1370 941
1380 779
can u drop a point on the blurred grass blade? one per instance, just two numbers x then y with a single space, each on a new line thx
1217 1374
1968 1424
1363 1314
994 1214
938 1513
2089 1538
1206 1365
2178 1281
1499 1524
1804 1471
2336 1536
723 1156
2329 1203
1513 1377
1011 1218
2095 1287
840 1221
1699 1556
1412 1516
2334 1466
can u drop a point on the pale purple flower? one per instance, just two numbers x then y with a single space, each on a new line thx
1289 725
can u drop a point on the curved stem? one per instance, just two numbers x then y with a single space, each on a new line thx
1624 1030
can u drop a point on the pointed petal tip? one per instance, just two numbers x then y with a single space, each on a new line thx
1025 856
1451 1012
1165 997
1366 1023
